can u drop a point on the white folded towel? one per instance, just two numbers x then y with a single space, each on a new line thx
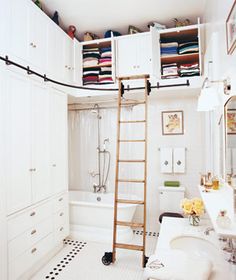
177 265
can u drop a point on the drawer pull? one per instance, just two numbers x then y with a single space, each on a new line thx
33 251
60 199
33 232
61 229
32 214
61 214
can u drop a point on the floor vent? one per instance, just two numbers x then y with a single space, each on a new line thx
76 247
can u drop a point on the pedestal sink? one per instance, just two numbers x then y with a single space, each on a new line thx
195 246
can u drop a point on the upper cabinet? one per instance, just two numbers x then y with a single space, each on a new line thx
134 55
37 40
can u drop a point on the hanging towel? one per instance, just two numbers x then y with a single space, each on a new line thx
179 160
166 160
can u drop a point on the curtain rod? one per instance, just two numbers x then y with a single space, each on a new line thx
29 71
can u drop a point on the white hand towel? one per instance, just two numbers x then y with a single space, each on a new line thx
166 160
176 265
179 160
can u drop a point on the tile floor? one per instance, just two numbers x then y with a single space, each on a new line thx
81 260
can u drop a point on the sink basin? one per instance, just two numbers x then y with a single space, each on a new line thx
195 246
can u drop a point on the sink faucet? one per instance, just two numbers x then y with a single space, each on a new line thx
208 230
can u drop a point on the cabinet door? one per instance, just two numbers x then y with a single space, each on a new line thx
37 37
126 56
18 162
59 161
55 67
4 25
18 30
77 67
68 58
40 142
156 53
144 55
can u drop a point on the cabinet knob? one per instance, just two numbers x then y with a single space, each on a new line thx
54 165
32 214
33 250
161 192
33 232
32 44
61 229
134 66
60 199
61 214
66 66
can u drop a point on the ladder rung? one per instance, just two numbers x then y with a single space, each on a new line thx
141 121
135 77
128 201
129 246
129 224
131 181
131 160
129 141
134 103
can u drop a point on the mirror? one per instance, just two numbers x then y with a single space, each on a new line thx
230 140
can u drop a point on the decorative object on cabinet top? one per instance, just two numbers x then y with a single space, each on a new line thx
71 31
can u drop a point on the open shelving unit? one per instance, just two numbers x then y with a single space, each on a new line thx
181 35
99 44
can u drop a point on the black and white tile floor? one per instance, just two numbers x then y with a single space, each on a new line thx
82 260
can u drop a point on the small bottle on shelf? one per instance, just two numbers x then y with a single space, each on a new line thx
215 183
223 221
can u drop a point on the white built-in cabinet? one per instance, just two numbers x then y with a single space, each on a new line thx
58 141
134 55
37 142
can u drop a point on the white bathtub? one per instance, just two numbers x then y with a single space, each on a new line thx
91 219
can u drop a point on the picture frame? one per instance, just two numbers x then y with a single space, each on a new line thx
231 29
231 121
172 122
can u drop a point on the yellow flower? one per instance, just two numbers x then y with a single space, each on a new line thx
192 206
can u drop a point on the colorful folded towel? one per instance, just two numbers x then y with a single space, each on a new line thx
171 183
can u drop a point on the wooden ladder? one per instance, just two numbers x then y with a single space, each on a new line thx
110 257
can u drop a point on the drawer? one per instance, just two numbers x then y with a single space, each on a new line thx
60 202
27 219
25 261
61 232
30 237
61 217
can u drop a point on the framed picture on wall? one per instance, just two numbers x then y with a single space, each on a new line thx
231 121
231 29
172 122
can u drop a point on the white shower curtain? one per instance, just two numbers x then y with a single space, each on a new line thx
83 147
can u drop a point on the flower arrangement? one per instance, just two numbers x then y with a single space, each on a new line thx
194 208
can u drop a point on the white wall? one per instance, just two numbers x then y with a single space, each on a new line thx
83 139
224 66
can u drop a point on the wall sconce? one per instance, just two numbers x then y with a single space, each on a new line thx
209 98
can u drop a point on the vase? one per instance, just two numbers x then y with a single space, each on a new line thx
194 220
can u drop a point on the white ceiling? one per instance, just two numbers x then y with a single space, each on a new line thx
97 16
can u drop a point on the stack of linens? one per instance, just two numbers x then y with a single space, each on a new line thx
170 71
188 47
91 76
105 75
91 57
169 49
188 70
105 56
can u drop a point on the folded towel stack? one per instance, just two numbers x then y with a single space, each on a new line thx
171 183
170 71
187 70
169 49
105 56
188 47
91 57
91 76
